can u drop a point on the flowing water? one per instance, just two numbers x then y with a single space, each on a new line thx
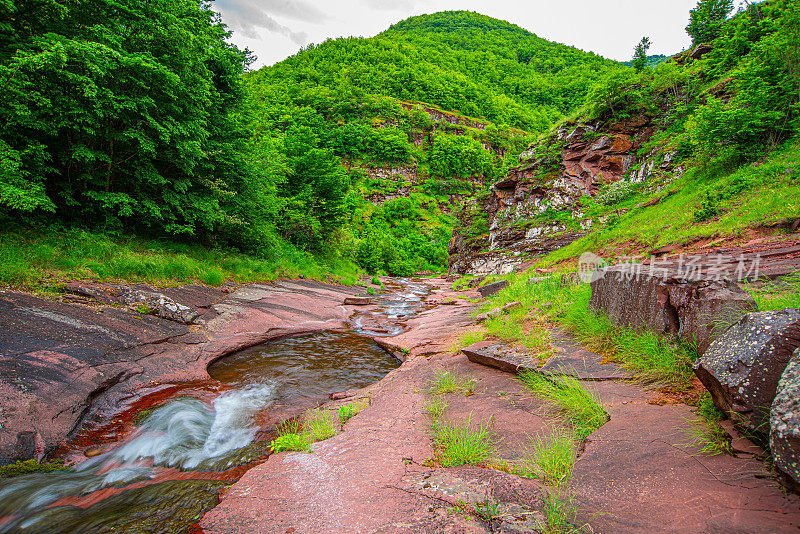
165 474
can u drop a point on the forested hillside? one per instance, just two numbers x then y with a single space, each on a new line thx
137 118
398 111
700 148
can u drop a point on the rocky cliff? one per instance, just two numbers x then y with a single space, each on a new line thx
540 206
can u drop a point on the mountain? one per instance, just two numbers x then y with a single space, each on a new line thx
375 141
700 150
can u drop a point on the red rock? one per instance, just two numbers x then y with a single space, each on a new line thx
358 301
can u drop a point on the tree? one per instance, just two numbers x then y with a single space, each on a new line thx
706 19
640 54
119 114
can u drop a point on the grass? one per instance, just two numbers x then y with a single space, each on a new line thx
470 338
777 294
436 408
44 259
446 382
705 430
28 467
645 354
554 456
461 443
561 512
317 425
578 407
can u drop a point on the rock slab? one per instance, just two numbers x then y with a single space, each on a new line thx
696 311
492 289
742 368
784 438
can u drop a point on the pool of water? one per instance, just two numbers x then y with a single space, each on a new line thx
167 472
311 365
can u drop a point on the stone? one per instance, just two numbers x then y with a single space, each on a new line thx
482 318
63 365
696 311
784 437
500 356
743 367
511 306
492 289
358 301
570 279
494 313
700 50
159 304
537 280
30 446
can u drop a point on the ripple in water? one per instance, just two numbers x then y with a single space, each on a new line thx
312 365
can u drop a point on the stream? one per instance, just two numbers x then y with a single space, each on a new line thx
168 469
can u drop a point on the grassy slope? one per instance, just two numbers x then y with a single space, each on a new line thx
44 261
759 195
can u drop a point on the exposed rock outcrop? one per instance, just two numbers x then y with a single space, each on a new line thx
66 366
743 367
537 208
695 310
492 289
784 438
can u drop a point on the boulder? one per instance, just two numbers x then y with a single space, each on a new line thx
500 356
30 446
743 367
159 305
784 437
358 301
696 311
511 306
492 289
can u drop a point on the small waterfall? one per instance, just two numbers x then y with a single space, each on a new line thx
183 433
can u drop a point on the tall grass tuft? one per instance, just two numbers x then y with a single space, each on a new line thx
462 443
580 409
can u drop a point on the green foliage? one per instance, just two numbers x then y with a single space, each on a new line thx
706 19
617 192
289 442
462 443
27 467
580 408
640 58
459 156
132 128
709 206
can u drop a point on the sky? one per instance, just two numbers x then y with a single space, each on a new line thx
276 29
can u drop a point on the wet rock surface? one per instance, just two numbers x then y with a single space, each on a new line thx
784 438
64 366
743 367
377 475
501 356
667 303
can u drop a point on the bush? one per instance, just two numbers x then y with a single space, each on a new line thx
617 192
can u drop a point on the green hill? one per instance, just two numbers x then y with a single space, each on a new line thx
420 116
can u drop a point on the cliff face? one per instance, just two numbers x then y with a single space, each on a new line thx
539 206
388 182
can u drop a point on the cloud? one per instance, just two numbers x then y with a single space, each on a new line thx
391 5
245 16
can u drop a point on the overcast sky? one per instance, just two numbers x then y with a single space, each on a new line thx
276 29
